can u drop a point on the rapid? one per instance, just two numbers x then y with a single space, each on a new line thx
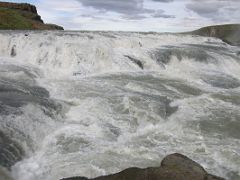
95 103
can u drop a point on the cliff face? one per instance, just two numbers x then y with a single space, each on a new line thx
22 16
22 6
229 33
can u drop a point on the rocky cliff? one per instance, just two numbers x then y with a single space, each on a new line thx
229 33
173 167
22 16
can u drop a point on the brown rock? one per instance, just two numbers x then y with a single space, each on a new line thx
228 33
173 167
184 165
19 6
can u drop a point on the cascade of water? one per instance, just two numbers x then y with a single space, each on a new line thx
94 103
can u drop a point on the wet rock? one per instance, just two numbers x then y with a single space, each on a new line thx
10 152
13 51
173 167
135 61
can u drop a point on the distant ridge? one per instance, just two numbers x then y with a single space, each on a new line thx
22 16
229 33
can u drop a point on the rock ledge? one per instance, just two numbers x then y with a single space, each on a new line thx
229 33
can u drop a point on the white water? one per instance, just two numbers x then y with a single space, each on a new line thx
105 113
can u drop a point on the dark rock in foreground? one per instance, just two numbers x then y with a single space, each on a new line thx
229 33
10 151
173 167
5 174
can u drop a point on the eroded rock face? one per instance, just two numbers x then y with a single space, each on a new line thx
229 33
173 167
25 14
19 6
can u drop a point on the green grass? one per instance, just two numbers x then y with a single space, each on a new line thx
12 19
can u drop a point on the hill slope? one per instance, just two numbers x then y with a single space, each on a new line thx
18 16
229 33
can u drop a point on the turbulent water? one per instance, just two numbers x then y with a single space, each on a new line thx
95 103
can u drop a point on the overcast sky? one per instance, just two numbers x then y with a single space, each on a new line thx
137 15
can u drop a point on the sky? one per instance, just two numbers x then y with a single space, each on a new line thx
137 15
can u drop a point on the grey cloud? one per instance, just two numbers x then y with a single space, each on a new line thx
163 1
129 9
161 14
204 9
215 0
134 17
216 10
123 7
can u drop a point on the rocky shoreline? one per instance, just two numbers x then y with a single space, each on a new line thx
228 33
173 167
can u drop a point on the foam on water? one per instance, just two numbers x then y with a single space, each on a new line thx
94 103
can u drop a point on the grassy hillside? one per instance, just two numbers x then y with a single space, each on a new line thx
229 33
12 19
22 17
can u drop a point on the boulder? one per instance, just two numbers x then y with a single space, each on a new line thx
173 167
